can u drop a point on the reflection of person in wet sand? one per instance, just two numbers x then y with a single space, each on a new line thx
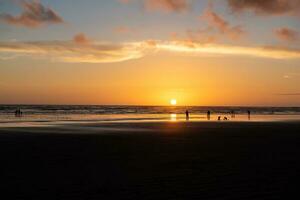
208 115
187 115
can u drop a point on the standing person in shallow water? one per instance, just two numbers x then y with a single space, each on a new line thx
18 112
187 115
249 114
232 114
208 115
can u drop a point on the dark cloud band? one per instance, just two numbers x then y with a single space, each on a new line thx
266 7
34 14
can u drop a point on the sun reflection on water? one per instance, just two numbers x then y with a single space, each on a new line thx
173 117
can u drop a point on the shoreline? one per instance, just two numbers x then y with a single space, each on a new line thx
58 120
139 126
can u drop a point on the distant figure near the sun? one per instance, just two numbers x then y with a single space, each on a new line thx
208 115
187 115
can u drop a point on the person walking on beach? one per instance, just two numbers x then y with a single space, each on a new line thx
249 114
232 114
208 115
187 115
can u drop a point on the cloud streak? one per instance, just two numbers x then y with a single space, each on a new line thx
34 14
224 27
163 5
167 5
122 30
286 34
195 48
82 39
72 52
266 7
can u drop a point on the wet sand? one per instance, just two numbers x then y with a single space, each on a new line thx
153 160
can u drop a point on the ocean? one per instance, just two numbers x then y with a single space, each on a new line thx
104 109
52 114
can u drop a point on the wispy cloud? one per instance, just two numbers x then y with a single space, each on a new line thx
291 75
286 34
123 30
70 51
223 26
167 5
195 48
204 36
82 39
163 5
266 7
34 14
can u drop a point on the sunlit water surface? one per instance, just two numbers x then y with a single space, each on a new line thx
50 115
10 120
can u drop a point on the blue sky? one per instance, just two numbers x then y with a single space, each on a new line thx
99 19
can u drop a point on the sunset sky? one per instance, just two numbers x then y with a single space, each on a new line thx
147 52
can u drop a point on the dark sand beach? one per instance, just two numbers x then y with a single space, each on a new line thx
152 160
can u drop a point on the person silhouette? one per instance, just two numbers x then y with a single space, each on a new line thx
219 118
187 115
232 114
208 115
18 112
249 114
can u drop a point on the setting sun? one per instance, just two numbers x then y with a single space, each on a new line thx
173 102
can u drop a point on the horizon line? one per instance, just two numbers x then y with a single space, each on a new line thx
136 105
